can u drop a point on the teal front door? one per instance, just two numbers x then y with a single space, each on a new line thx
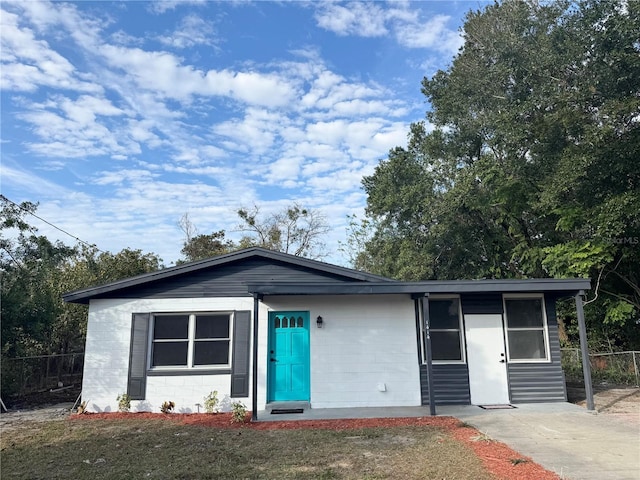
288 356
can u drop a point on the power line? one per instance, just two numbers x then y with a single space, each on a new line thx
51 224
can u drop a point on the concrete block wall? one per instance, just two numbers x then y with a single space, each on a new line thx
107 357
366 354
367 344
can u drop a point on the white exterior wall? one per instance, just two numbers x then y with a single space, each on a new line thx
106 364
366 341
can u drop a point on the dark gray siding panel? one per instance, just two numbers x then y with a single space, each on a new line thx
241 348
532 382
481 303
229 280
540 382
451 384
137 380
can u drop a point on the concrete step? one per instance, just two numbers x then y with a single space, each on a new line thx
269 407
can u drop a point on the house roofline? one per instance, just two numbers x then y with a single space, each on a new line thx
534 285
86 294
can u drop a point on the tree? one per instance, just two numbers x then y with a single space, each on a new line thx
203 246
89 267
359 234
296 230
27 263
529 169
36 272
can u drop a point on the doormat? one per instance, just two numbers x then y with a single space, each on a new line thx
496 407
280 411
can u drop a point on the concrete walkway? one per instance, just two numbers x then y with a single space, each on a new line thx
562 437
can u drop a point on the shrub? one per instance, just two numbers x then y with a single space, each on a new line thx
124 402
211 402
167 407
238 412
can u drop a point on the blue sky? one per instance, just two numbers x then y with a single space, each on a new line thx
118 118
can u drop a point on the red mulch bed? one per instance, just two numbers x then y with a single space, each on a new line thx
499 459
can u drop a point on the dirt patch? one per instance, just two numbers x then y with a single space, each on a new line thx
20 418
619 402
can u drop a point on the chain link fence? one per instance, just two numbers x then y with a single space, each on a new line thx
26 375
619 368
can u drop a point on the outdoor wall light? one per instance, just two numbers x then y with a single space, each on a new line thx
319 321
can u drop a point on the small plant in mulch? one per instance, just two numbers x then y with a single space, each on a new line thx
167 407
124 403
211 403
483 437
82 408
465 425
238 412
518 461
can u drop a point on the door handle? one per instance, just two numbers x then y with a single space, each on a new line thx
502 361
272 360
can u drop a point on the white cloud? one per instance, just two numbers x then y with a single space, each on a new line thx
411 28
432 34
164 73
28 63
72 129
191 31
256 132
285 172
162 6
357 18
120 177
164 134
122 38
34 185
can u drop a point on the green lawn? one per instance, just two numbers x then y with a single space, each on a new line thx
158 449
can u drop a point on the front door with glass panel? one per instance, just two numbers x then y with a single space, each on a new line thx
288 357
488 383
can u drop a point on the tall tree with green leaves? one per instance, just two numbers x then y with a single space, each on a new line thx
35 272
527 163
203 246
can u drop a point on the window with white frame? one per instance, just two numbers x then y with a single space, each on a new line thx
191 340
526 328
445 326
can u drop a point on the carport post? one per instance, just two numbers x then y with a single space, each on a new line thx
584 348
427 332
254 374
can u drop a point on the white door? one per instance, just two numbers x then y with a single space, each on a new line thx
486 359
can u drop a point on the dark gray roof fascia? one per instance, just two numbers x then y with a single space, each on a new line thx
535 285
84 295
350 288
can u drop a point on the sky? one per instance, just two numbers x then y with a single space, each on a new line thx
120 117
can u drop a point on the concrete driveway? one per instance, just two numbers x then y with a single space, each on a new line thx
563 437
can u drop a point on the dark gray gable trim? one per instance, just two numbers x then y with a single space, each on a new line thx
562 286
241 349
84 295
137 378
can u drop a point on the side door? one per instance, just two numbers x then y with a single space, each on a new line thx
488 381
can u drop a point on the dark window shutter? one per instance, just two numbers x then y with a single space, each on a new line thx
137 383
240 360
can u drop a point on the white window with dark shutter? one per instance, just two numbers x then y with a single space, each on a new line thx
191 340
526 324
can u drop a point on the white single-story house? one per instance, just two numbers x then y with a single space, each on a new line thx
263 327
